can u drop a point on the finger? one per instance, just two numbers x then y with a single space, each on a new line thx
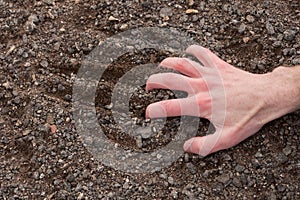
191 106
208 144
170 81
183 65
205 56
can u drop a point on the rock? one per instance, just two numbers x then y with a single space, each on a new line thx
287 150
123 26
224 178
191 168
49 2
191 2
191 11
250 18
145 132
270 28
289 35
165 12
246 40
258 155
80 196
236 182
26 132
53 129
242 28
170 180
239 168
112 18
44 63
296 61
139 142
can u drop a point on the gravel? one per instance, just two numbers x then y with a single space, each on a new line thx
42 156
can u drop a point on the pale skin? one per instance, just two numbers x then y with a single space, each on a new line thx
237 102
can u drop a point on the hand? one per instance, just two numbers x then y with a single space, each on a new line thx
237 102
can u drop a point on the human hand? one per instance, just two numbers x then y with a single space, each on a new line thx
238 103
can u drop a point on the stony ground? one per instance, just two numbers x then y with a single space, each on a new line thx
42 44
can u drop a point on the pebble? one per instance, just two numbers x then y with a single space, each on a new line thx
165 12
270 28
139 141
258 155
250 18
296 61
26 132
289 35
112 18
53 129
145 132
191 2
224 178
171 180
287 150
242 28
191 11
191 167
239 168
44 63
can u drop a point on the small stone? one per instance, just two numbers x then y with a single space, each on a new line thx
171 180
258 155
68 97
145 132
112 18
281 158
246 39
6 85
124 26
44 63
53 129
277 44
239 168
242 28
36 175
287 150
49 2
165 12
289 35
250 18
26 132
191 2
139 142
191 11
270 28
236 182
80 196
296 61
191 168
17 100
109 106
224 178
56 46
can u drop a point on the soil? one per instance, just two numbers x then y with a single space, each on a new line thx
42 45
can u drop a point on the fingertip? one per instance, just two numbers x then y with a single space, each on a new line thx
196 146
187 145
155 110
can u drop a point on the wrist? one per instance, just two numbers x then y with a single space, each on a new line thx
282 91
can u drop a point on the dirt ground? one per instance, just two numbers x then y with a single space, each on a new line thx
42 44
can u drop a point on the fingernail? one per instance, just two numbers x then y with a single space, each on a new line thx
187 144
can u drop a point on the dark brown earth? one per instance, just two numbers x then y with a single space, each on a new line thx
42 44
